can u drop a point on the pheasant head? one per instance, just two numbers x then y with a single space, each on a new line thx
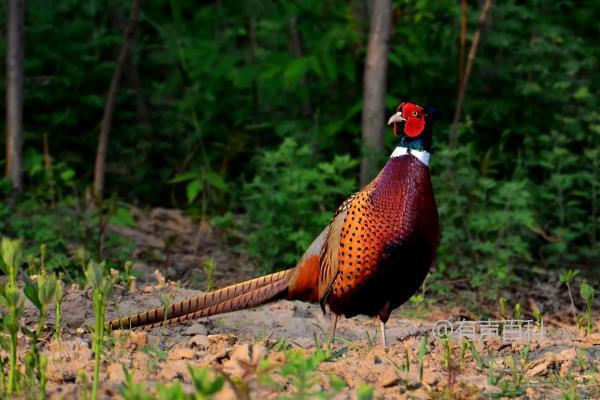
410 117
412 124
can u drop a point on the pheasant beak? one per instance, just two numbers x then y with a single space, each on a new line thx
396 118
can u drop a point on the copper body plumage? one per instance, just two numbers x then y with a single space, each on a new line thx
387 243
370 259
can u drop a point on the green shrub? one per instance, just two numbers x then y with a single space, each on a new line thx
290 200
485 222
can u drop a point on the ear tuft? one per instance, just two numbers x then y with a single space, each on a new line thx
433 113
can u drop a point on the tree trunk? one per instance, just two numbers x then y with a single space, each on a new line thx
373 115
14 92
109 108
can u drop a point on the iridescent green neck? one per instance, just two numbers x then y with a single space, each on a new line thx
417 143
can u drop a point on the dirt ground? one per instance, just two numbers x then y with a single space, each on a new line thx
561 362
236 342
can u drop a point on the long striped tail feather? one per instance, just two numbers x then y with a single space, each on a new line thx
232 298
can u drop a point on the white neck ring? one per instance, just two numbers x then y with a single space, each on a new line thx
421 155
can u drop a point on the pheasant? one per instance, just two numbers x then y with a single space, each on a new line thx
370 259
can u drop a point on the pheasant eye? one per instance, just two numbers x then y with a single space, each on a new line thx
414 113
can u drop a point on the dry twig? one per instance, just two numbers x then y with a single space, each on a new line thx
467 74
106 124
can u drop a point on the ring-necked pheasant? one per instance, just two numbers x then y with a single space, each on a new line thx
371 258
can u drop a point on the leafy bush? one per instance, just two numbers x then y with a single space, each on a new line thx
52 212
290 200
68 232
494 230
485 223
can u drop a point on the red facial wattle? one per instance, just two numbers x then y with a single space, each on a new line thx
415 119
414 126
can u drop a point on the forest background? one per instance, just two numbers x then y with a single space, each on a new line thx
250 116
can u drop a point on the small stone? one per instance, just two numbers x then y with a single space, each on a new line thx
497 344
389 378
63 365
56 346
566 358
140 339
531 393
160 279
227 393
304 342
130 340
516 346
120 333
83 349
376 355
593 339
133 285
199 341
181 353
140 360
540 369
220 338
69 377
431 379
119 291
148 289
413 383
491 390
115 373
220 343
55 374
244 359
174 370
196 329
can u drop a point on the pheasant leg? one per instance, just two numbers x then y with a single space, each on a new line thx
384 315
331 335
383 342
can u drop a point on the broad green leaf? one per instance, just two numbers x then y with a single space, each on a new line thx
122 217
187 176
192 190
215 180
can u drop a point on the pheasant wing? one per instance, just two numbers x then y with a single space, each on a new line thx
331 244
329 252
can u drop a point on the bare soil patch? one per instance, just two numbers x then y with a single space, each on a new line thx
235 343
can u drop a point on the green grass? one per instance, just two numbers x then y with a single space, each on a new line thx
11 256
102 286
